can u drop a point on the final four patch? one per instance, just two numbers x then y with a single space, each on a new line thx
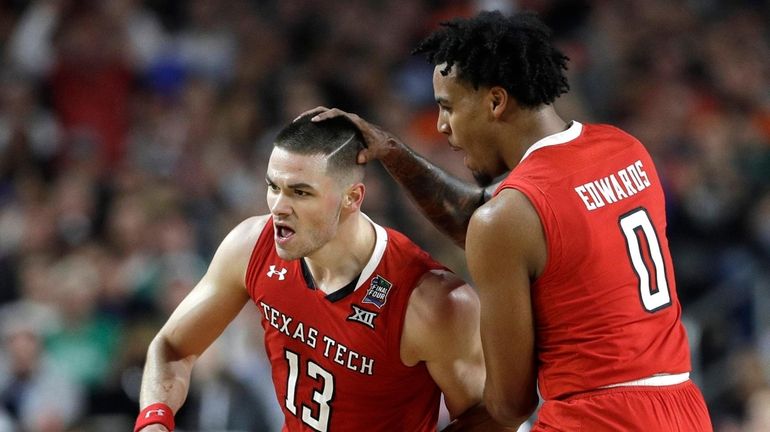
377 294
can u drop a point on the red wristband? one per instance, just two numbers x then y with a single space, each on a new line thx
157 413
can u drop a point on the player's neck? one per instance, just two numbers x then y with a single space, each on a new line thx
344 257
529 127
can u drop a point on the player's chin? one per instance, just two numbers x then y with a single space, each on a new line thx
286 254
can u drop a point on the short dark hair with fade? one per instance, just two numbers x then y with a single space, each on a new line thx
337 138
491 49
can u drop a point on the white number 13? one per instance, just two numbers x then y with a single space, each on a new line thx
322 398
635 225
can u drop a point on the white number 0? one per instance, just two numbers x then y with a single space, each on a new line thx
322 398
637 223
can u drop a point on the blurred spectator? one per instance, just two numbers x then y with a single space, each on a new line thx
91 83
146 37
34 392
758 411
86 341
206 46
29 134
221 400
135 133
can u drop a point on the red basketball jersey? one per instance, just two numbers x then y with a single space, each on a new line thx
606 309
336 358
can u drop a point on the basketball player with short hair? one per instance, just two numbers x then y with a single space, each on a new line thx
364 330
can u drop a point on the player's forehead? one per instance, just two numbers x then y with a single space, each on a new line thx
289 167
447 85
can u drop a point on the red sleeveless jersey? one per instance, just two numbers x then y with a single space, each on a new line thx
606 309
335 358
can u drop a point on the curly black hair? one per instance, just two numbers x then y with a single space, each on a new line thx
492 49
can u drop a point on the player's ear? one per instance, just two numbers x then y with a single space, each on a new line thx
354 196
498 101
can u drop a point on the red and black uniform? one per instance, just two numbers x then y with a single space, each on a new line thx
336 358
606 309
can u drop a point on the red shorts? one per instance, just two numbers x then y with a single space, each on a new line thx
678 407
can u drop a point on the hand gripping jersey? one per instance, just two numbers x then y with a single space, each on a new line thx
606 308
336 358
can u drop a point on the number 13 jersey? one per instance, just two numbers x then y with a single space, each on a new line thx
606 309
335 358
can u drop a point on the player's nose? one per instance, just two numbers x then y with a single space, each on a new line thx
443 126
280 205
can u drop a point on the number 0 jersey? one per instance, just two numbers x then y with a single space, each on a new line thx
335 358
606 309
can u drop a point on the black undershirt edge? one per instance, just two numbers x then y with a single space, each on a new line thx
336 295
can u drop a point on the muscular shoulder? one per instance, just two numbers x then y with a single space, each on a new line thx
440 296
242 238
232 256
246 233
506 225
442 312
508 206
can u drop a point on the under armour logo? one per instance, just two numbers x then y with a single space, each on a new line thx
281 273
160 412
363 316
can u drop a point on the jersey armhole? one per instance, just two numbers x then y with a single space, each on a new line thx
548 221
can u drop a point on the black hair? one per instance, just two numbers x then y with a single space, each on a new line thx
491 49
337 138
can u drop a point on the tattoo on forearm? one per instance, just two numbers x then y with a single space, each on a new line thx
445 200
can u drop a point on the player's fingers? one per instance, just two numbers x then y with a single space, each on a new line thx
363 157
335 112
327 114
315 110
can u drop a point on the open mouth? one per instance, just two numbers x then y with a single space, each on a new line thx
283 233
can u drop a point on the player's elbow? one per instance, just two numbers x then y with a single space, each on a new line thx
510 409
161 348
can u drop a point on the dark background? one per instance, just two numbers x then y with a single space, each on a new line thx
134 135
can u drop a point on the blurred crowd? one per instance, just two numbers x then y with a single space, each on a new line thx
134 135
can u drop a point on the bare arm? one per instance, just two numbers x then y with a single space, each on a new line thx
198 320
446 201
503 258
441 328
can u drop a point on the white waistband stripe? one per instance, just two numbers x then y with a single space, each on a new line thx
655 380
